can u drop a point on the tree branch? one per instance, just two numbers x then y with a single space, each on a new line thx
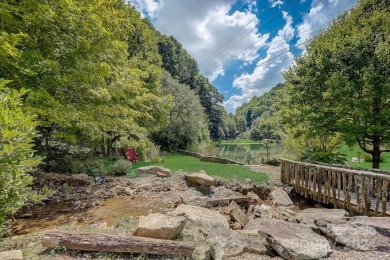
362 146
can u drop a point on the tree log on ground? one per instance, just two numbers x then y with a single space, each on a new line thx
112 243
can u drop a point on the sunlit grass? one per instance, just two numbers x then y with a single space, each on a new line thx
354 152
188 164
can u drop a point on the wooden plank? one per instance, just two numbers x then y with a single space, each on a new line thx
325 178
378 193
328 199
314 194
345 185
338 177
358 184
119 244
319 184
348 194
307 179
226 201
367 197
334 187
385 187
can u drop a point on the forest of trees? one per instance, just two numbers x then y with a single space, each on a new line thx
87 76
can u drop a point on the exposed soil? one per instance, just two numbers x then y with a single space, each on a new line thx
273 172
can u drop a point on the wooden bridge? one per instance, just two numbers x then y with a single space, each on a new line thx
364 192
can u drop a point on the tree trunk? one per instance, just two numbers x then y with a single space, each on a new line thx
376 152
120 244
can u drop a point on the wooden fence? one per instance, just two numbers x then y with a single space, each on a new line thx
354 190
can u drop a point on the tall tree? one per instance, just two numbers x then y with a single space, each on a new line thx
341 85
92 66
187 120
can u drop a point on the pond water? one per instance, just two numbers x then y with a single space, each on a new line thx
247 153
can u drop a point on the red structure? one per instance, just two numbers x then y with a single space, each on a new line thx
130 155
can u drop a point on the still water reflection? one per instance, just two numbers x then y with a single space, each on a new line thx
244 152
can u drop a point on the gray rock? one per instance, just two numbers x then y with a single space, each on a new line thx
237 214
294 241
307 216
280 198
262 211
201 216
153 170
200 201
200 178
221 192
202 252
358 233
160 226
225 243
254 224
11 255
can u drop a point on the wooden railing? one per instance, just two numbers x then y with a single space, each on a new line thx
354 190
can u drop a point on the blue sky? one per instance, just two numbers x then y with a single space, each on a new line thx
244 46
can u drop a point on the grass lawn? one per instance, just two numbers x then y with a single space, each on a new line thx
175 162
244 141
353 152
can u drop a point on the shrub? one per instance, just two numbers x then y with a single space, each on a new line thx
120 167
316 155
368 157
17 130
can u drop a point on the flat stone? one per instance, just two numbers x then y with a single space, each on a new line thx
160 226
221 192
200 178
307 216
294 241
201 216
237 214
153 170
358 233
202 252
225 243
11 255
280 198
254 224
200 201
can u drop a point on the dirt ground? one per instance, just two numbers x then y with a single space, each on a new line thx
273 172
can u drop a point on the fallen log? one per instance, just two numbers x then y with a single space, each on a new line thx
226 201
118 244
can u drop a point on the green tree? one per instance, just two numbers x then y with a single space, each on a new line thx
341 85
187 120
93 68
17 130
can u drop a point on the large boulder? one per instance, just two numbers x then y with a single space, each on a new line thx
225 243
358 233
160 226
201 216
280 198
307 216
294 241
153 170
11 255
200 178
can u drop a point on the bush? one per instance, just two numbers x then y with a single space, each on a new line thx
315 155
120 167
368 157
17 130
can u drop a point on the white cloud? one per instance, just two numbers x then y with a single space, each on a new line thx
321 13
276 3
148 7
268 70
207 28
